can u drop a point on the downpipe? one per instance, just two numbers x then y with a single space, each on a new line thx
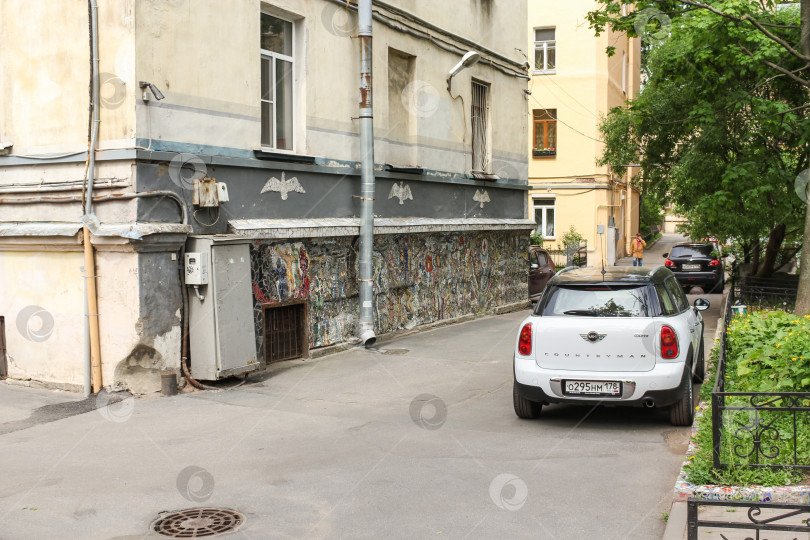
365 262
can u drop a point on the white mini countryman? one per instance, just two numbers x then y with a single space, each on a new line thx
620 336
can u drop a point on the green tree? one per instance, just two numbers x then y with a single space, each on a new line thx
721 127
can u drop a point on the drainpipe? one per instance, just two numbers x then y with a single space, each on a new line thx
366 284
94 362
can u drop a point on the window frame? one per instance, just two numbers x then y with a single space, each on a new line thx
551 203
545 151
485 158
545 46
265 54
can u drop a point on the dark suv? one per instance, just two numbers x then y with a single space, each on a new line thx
696 265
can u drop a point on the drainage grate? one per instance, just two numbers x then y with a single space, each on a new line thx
197 522
286 333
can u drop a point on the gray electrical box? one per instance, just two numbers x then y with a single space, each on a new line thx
222 335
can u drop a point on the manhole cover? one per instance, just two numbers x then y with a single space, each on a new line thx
197 522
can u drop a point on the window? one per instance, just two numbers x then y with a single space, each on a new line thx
681 303
544 217
277 82
545 50
545 132
668 306
480 127
598 301
542 258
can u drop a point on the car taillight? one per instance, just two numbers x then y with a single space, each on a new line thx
714 262
525 341
669 264
669 342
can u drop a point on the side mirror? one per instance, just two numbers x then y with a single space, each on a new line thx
665 255
701 304
534 266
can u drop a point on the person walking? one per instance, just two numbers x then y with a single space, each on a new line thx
637 249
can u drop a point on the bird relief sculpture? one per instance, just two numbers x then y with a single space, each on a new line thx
283 186
401 192
481 197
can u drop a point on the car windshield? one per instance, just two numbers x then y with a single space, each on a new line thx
597 301
691 251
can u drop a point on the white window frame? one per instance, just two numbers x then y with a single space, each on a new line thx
542 205
544 45
482 158
265 54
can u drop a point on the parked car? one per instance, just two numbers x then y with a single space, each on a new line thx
697 264
628 337
541 269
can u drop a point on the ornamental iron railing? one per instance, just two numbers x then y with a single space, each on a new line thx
758 517
755 429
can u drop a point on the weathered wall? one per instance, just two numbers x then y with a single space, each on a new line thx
42 300
418 279
45 75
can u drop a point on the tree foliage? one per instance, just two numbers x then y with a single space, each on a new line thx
721 126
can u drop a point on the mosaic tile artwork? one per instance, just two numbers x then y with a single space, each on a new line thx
418 279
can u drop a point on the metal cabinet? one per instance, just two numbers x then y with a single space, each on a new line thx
222 333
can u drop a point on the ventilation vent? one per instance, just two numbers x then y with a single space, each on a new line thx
286 333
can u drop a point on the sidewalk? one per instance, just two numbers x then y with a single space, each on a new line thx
653 256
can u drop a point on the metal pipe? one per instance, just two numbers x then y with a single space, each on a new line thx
365 266
105 198
89 255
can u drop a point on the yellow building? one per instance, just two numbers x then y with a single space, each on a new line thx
574 84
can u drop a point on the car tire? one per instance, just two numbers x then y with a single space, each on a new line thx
525 408
682 413
700 367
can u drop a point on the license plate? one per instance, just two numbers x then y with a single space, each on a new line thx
594 388
691 267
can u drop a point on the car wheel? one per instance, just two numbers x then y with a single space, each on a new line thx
682 413
700 367
525 408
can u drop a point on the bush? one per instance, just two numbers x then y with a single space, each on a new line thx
768 351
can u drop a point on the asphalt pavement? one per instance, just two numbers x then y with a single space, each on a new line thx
415 439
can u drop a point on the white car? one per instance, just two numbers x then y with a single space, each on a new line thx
618 336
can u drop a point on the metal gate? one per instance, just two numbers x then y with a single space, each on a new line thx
286 332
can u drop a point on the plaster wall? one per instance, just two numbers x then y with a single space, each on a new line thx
212 85
42 300
45 75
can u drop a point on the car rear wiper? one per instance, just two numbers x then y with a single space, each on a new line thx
588 312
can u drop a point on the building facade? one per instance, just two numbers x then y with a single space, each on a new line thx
574 84
232 127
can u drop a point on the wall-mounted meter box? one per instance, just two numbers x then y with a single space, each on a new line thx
196 268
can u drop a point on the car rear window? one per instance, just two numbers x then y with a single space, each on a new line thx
597 301
691 251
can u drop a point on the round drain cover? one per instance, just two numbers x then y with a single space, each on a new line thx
197 522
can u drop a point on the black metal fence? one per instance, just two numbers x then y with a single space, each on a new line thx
760 516
570 255
777 292
755 429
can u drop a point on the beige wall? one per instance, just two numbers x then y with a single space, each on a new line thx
586 84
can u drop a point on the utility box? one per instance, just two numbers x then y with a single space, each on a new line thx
196 268
222 335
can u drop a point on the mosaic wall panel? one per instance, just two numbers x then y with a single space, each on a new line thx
418 279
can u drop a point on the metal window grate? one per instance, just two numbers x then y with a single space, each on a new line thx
480 127
286 332
3 363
